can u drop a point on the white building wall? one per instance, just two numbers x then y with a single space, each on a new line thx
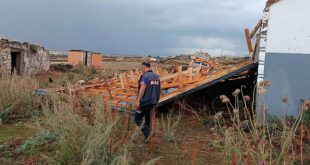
289 27
284 56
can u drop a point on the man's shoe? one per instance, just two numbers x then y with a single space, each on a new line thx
146 140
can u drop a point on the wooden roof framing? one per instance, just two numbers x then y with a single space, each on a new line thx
121 91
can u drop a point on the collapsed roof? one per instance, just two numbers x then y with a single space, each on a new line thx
202 72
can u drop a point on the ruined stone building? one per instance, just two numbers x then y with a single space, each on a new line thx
22 58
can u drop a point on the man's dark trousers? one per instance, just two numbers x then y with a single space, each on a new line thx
144 111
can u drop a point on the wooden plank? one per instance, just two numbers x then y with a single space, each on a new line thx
176 85
132 77
107 87
180 77
197 73
248 41
170 76
126 79
191 73
156 70
122 81
255 48
258 25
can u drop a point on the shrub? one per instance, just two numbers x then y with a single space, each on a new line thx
16 100
73 75
78 140
82 72
32 144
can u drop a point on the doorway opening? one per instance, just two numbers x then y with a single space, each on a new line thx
16 62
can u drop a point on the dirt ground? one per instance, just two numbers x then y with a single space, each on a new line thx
192 145
11 137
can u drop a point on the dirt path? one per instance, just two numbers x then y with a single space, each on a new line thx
192 145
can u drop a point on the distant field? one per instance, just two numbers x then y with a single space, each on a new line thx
120 66
105 64
58 60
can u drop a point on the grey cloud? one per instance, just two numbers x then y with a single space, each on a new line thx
158 27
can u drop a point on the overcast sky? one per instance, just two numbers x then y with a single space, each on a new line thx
132 27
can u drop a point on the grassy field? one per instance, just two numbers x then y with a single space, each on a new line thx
114 67
16 131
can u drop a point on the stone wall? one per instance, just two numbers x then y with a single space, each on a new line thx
5 57
33 58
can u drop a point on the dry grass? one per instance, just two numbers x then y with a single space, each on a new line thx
16 100
255 140
79 141
114 67
109 68
169 126
82 138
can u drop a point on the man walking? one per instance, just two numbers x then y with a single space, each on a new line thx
148 97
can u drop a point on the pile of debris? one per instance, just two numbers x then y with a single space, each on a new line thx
121 90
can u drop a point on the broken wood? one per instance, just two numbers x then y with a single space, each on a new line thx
180 77
258 25
248 41
121 92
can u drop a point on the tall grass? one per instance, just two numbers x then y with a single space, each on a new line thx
169 126
82 72
16 100
254 140
80 140
72 75
71 129
84 139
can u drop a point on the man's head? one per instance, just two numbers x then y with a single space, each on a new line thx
145 66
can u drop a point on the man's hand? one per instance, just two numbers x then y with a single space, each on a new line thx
137 104
140 95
